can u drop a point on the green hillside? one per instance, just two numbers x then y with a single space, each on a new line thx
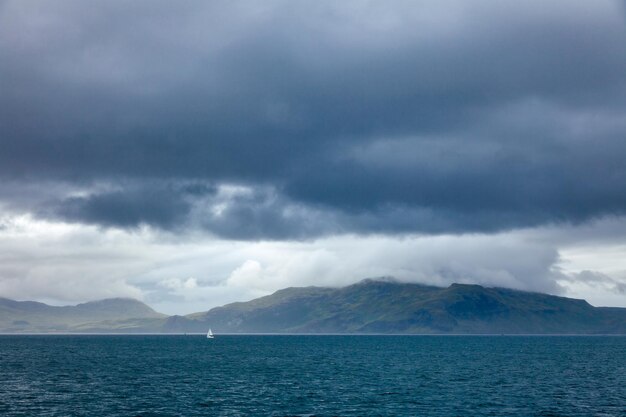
370 306
388 307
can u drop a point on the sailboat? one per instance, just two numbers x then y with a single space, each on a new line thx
209 334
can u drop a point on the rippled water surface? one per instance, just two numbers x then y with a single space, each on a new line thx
312 375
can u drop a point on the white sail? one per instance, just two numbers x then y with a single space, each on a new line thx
209 334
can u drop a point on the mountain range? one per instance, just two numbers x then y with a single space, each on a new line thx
113 314
370 306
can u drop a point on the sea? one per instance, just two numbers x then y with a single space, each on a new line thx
298 375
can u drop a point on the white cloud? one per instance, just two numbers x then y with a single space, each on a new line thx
177 284
249 274
61 263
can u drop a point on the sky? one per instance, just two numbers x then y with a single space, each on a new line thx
195 153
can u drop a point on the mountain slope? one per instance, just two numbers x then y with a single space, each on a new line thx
389 307
367 307
30 316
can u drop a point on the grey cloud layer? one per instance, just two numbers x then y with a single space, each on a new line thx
351 117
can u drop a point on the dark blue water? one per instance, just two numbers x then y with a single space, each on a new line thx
312 375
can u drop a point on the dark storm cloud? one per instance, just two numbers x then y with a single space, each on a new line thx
336 117
161 205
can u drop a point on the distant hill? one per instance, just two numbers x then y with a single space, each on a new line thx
103 315
370 306
388 307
